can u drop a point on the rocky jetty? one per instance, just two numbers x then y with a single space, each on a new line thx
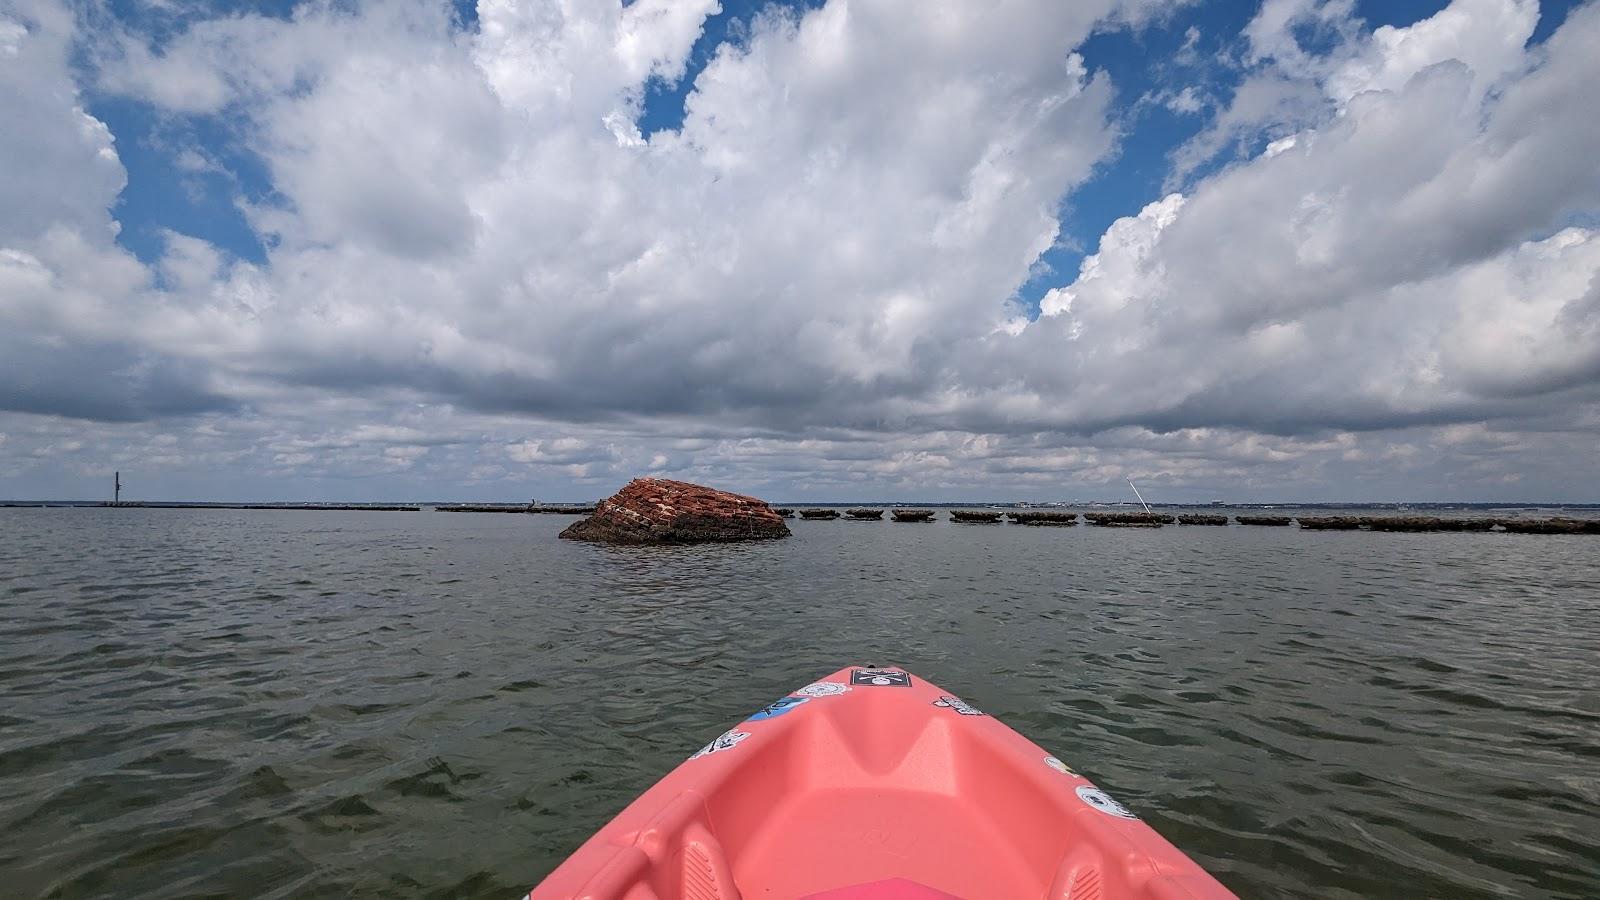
659 511
1330 523
516 508
1127 519
1274 521
864 513
1427 523
974 516
785 511
1201 519
176 504
819 514
912 515
1042 517
1552 526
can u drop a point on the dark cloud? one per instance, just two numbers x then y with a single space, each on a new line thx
104 383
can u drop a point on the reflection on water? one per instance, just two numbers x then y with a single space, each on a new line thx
282 703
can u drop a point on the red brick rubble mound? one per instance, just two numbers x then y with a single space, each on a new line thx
658 511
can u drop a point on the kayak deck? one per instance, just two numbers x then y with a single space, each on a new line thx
873 783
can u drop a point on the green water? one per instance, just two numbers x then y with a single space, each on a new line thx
264 703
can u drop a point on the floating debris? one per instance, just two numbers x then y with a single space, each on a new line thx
864 513
974 516
1201 519
1275 521
819 514
912 515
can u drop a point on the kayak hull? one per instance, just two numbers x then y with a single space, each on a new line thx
874 783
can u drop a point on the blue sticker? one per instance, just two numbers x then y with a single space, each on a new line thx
779 708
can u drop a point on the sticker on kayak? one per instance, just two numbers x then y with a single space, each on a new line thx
724 741
959 705
779 708
1059 766
1102 801
881 677
824 689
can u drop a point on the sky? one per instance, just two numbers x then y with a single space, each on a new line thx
812 250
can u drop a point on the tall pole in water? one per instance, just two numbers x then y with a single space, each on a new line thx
116 490
1139 495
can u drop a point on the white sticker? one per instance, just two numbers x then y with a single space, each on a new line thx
1059 766
724 741
823 689
1102 801
959 705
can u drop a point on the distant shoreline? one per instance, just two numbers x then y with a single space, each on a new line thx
416 506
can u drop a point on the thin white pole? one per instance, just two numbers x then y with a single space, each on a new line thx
1139 495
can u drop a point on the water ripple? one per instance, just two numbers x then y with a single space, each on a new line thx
283 704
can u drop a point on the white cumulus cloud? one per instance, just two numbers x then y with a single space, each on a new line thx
479 271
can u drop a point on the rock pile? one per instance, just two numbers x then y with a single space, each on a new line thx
1127 519
1552 526
1044 517
1201 519
659 511
912 515
974 516
785 511
1427 523
864 513
819 514
1330 523
1277 521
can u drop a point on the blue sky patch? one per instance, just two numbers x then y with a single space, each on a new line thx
190 174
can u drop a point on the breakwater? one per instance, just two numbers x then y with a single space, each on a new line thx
1035 517
535 509
157 504
1127 519
1485 521
1140 519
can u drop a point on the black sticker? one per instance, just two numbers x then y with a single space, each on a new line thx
881 677
959 705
